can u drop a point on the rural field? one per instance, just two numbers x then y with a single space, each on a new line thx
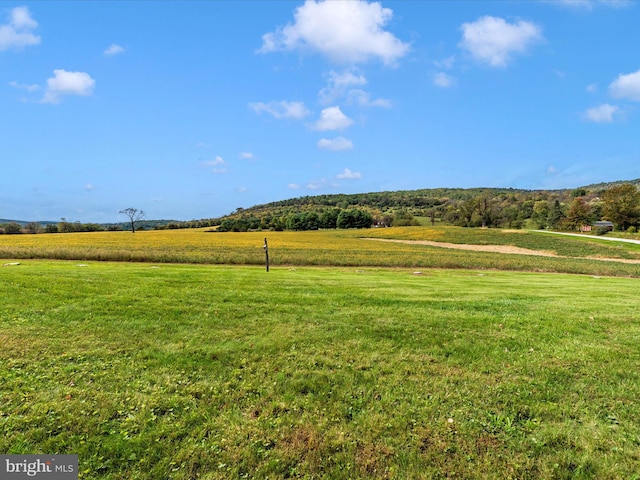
543 252
175 355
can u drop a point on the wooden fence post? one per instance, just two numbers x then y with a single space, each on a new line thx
266 252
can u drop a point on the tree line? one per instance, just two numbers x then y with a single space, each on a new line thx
568 210
65 226
328 218
491 208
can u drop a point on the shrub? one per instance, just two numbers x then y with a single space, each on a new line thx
12 228
632 229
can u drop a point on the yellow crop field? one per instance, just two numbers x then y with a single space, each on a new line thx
190 246
326 247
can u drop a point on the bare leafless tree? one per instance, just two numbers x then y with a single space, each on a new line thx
134 215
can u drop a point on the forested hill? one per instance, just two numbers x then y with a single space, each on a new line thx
601 187
427 197
401 199
489 207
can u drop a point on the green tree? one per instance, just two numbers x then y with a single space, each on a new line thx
295 221
540 214
621 205
346 219
12 228
404 218
467 209
556 215
311 221
364 219
226 225
329 218
579 214
354 218
485 210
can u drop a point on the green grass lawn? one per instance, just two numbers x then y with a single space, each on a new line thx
181 372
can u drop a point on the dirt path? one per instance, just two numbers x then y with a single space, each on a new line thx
508 249
476 248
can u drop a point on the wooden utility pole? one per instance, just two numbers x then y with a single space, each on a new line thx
266 252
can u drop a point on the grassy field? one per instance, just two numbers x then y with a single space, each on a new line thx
198 371
331 248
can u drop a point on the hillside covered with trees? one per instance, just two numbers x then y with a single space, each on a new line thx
568 209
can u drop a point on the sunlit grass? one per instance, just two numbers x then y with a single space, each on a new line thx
181 372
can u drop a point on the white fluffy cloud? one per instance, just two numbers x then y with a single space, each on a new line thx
247 156
19 31
602 114
349 175
335 144
67 83
626 86
113 49
344 31
494 41
443 80
280 110
332 118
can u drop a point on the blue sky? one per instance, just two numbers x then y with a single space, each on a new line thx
190 110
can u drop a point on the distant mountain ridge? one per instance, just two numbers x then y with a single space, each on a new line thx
23 223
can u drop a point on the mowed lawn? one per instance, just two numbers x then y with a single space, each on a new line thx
196 371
